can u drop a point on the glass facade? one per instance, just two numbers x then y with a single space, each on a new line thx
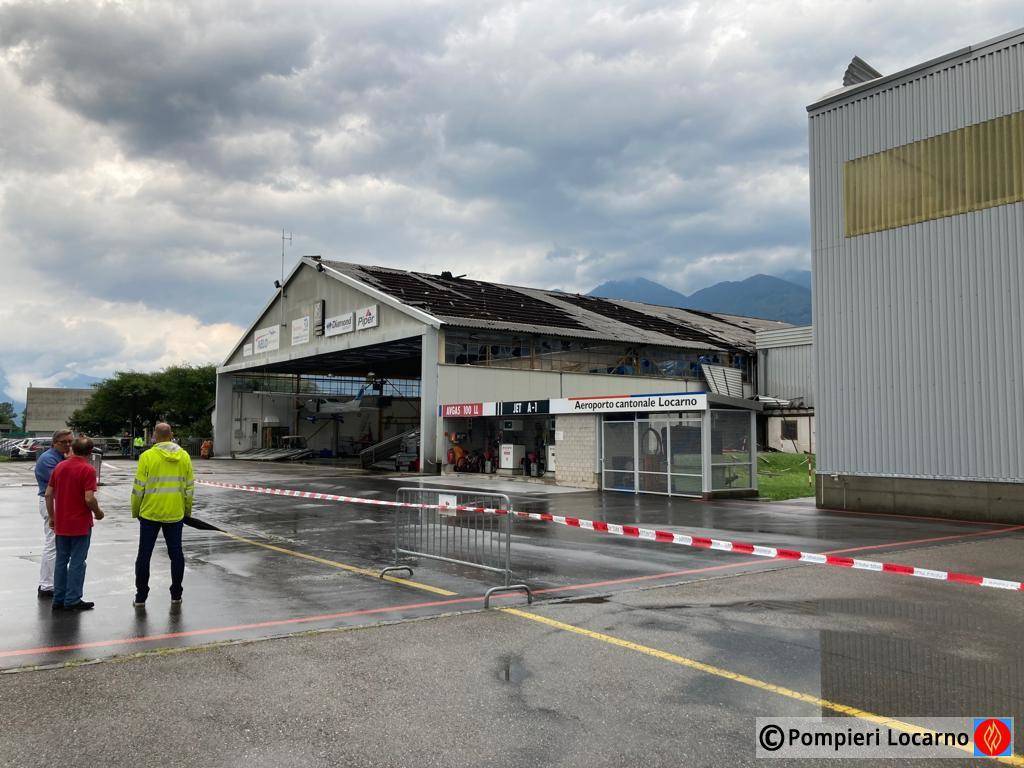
977 167
655 453
730 450
550 353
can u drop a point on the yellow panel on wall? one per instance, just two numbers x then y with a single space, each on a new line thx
977 167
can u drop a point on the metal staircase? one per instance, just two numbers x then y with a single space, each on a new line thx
387 448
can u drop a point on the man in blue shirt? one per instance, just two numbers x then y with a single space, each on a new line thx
47 460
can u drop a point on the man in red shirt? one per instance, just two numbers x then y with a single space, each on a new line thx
71 505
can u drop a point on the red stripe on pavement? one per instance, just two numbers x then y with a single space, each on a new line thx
231 628
739 546
930 540
958 577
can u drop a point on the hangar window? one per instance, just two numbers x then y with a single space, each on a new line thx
789 429
977 167
551 353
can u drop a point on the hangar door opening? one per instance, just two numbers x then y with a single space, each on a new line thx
653 453
325 418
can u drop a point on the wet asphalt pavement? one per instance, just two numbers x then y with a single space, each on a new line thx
493 688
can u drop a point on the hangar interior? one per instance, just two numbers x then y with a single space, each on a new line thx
345 356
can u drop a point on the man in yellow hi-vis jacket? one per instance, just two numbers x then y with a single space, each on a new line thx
161 500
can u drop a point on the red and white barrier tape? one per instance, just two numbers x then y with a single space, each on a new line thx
651 534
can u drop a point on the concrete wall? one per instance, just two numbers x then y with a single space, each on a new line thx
305 288
805 442
48 409
956 499
576 450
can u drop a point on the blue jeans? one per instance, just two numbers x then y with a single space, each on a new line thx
69 569
148 532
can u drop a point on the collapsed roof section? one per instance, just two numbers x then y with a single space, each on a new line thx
466 303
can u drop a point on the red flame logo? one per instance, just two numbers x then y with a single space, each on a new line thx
992 737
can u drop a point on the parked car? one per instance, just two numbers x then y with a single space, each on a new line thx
31 447
7 445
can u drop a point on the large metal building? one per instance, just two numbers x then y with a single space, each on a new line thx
917 226
457 374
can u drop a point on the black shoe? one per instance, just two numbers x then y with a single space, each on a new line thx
57 607
81 605
44 594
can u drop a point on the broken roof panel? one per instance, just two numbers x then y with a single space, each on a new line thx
477 304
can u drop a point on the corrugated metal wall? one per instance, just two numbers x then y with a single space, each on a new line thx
787 372
919 338
785 337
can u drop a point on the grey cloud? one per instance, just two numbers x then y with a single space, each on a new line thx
158 149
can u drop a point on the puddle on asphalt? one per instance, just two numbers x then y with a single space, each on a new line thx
512 670
806 607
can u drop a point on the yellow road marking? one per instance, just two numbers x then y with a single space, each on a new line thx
897 725
342 566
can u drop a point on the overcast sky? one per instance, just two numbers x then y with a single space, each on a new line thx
150 153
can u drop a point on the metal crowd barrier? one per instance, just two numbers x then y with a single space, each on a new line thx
437 530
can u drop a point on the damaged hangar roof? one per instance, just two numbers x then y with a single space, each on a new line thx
466 303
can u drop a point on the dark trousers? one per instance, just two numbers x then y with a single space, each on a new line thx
69 570
148 532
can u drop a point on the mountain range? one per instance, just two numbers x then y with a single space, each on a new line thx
786 297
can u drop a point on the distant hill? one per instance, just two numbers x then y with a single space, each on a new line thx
764 296
639 289
798 276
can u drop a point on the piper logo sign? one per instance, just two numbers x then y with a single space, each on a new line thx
367 318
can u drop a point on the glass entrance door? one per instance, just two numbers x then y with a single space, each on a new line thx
686 465
652 442
660 453
619 464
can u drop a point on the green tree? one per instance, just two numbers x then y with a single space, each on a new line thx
130 401
187 394
7 413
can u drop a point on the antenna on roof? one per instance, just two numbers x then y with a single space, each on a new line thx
284 237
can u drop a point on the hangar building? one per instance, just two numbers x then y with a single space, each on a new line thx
917 228
473 376
48 409
785 385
